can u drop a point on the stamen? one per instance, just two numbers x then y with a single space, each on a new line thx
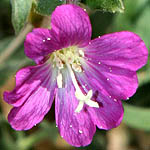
76 67
81 52
59 80
58 61
70 57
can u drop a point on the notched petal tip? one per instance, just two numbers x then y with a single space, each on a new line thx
113 61
72 24
39 43
123 49
76 128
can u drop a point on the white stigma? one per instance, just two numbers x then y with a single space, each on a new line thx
71 58
79 94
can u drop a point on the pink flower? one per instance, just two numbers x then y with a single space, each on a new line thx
88 78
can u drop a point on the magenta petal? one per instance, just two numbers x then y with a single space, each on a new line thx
39 43
72 25
122 49
76 128
112 61
109 115
110 111
34 94
27 81
117 82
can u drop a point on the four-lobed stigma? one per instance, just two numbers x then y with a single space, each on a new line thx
70 58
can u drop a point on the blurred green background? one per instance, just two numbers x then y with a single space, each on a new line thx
132 134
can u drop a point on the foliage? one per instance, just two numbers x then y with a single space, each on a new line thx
106 5
20 13
142 120
46 7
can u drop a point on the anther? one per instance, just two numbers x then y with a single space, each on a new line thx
59 80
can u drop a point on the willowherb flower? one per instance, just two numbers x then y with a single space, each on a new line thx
88 78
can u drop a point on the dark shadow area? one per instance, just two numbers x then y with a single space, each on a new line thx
100 23
141 97
6 28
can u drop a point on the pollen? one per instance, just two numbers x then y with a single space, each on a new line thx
81 52
71 56
76 67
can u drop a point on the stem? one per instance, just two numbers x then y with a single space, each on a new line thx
71 1
12 47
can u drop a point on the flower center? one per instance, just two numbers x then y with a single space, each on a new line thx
70 58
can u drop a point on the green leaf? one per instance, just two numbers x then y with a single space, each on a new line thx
137 117
46 7
47 131
20 12
136 19
106 5
7 140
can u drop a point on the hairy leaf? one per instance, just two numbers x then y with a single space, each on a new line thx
46 7
106 5
20 13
